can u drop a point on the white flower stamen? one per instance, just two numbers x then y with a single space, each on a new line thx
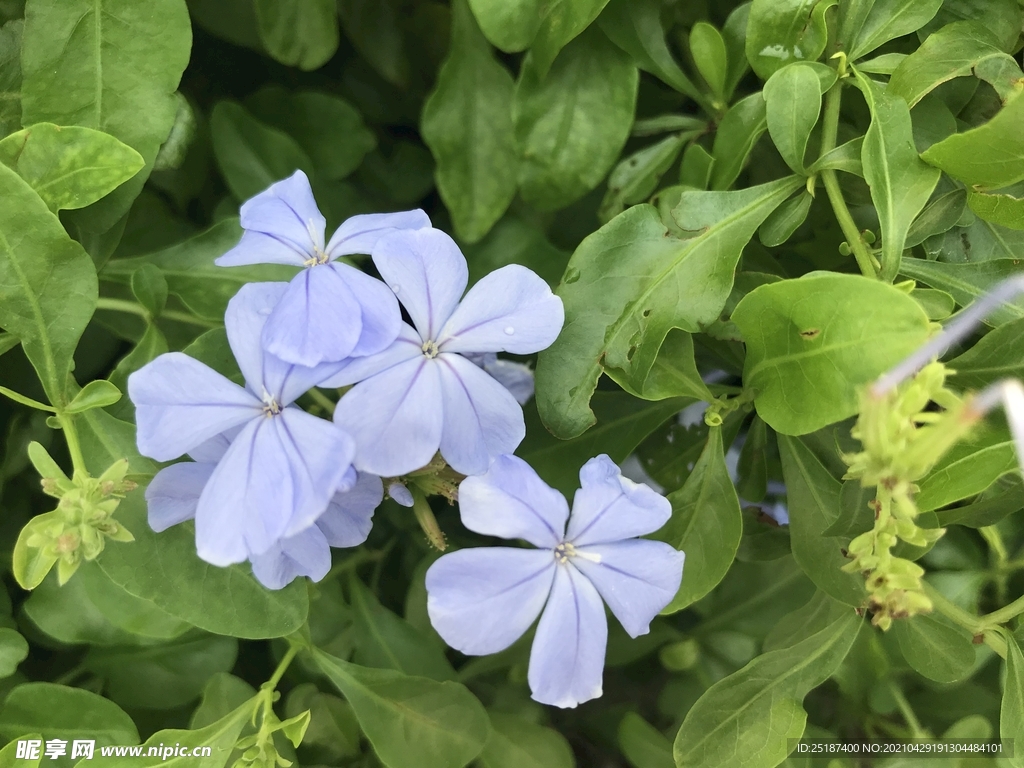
430 349
270 405
566 550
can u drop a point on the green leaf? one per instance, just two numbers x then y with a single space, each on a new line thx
571 124
565 19
60 712
68 614
967 470
386 641
674 373
222 694
785 220
149 287
110 65
96 394
515 742
299 33
660 282
515 240
696 166
1001 16
706 524
47 284
374 27
644 745
735 138
940 215
889 19
329 129
901 184
935 647
1011 710
814 504
811 617
709 56
1004 210
333 730
754 712
990 156
846 157
782 31
142 618
752 466
10 76
999 354
13 651
793 100
9 754
812 342
165 569
411 722
467 123
250 154
635 177
70 166
636 27
966 282
106 439
509 25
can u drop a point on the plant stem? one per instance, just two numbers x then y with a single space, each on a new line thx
908 712
67 423
1004 614
952 611
322 400
122 305
282 667
1001 557
352 562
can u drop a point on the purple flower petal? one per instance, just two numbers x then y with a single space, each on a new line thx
395 418
173 494
510 501
359 234
609 507
636 577
180 403
481 418
282 226
567 658
213 450
483 600
509 310
406 347
304 554
428 273
349 516
517 378
381 316
400 494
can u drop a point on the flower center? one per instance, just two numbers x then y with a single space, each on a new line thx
270 406
565 550
318 257
430 349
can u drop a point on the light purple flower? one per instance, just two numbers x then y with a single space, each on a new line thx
331 310
483 600
283 465
421 394
517 378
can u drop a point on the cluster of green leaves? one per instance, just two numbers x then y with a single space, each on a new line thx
757 205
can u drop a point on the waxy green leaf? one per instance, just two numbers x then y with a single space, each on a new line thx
736 136
998 354
564 20
299 33
1011 709
1004 210
509 25
966 282
936 648
58 711
793 102
710 56
636 176
967 470
516 742
889 19
10 76
780 32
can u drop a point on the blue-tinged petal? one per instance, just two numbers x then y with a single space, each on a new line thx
395 418
408 346
359 234
481 418
567 658
509 310
637 578
213 450
428 273
609 507
381 316
282 226
400 494
511 502
349 516
173 494
482 600
304 554
517 378
180 403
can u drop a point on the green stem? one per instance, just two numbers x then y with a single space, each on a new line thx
1001 557
322 400
67 423
122 305
1004 614
952 611
352 562
282 667
908 712
20 398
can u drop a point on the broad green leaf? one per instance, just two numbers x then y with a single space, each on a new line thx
979 241
814 504
411 722
70 166
754 712
140 617
192 275
9 755
231 20
736 136
68 615
329 129
110 65
106 439
374 27
855 513
222 694
10 76
967 470
467 123
940 215
706 524
299 33
785 220
386 641
571 124
47 284
563 21
846 157
935 647
1003 17
710 56
674 373
60 712
752 467
149 287
813 616
515 240
1011 709
516 742
165 569
695 167
30 565
630 282
96 394
966 282
635 177
990 156
636 27
793 101
509 25
812 342
938 305
999 354
623 422
13 651
889 19
953 51
901 184
644 745
250 154
1004 210
780 32
333 730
